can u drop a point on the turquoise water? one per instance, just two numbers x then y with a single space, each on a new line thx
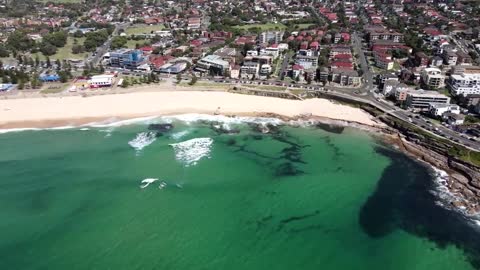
295 198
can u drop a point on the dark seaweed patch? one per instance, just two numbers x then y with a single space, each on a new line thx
296 218
403 200
287 169
231 141
160 127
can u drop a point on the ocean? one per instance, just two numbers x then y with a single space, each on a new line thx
212 192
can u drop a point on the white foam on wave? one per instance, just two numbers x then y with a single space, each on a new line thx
191 151
147 181
446 197
226 120
180 134
142 140
113 122
2 131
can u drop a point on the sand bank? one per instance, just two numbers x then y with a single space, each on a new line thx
76 110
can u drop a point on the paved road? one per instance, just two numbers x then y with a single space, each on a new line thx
367 74
286 60
106 46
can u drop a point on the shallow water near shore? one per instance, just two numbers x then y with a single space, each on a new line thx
227 196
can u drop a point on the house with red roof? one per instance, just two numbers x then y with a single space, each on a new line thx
315 46
332 17
342 65
146 49
297 71
159 60
345 37
196 43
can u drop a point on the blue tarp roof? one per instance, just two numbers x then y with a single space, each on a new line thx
49 78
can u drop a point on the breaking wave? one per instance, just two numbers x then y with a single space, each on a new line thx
191 151
142 140
180 134
114 122
194 117
446 197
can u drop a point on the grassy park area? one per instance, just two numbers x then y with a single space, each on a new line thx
263 26
65 52
143 29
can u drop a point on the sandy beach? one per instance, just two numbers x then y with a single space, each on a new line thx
76 110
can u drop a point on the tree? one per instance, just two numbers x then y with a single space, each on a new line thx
95 39
37 61
4 52
49 64
63 76
47 48
58 64
57 39
76 49
118 42
194 80
78 34
19 41
21 85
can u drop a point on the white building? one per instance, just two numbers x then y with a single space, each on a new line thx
438 109
249 70
390 87
421 99
272 50
465 83
271 37
101 80
433 77
213 63
265 70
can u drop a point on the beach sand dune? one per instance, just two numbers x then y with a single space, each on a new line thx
75 110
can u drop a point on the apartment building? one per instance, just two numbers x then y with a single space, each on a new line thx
433 77
466 83
126 58
249 70
449 57
213 64
271 37
421 99
384 34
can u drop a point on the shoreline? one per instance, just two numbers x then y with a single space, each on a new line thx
77 110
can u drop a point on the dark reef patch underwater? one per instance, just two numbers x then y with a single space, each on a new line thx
406 202
222 193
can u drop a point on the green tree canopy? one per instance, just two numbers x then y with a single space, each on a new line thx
19 41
